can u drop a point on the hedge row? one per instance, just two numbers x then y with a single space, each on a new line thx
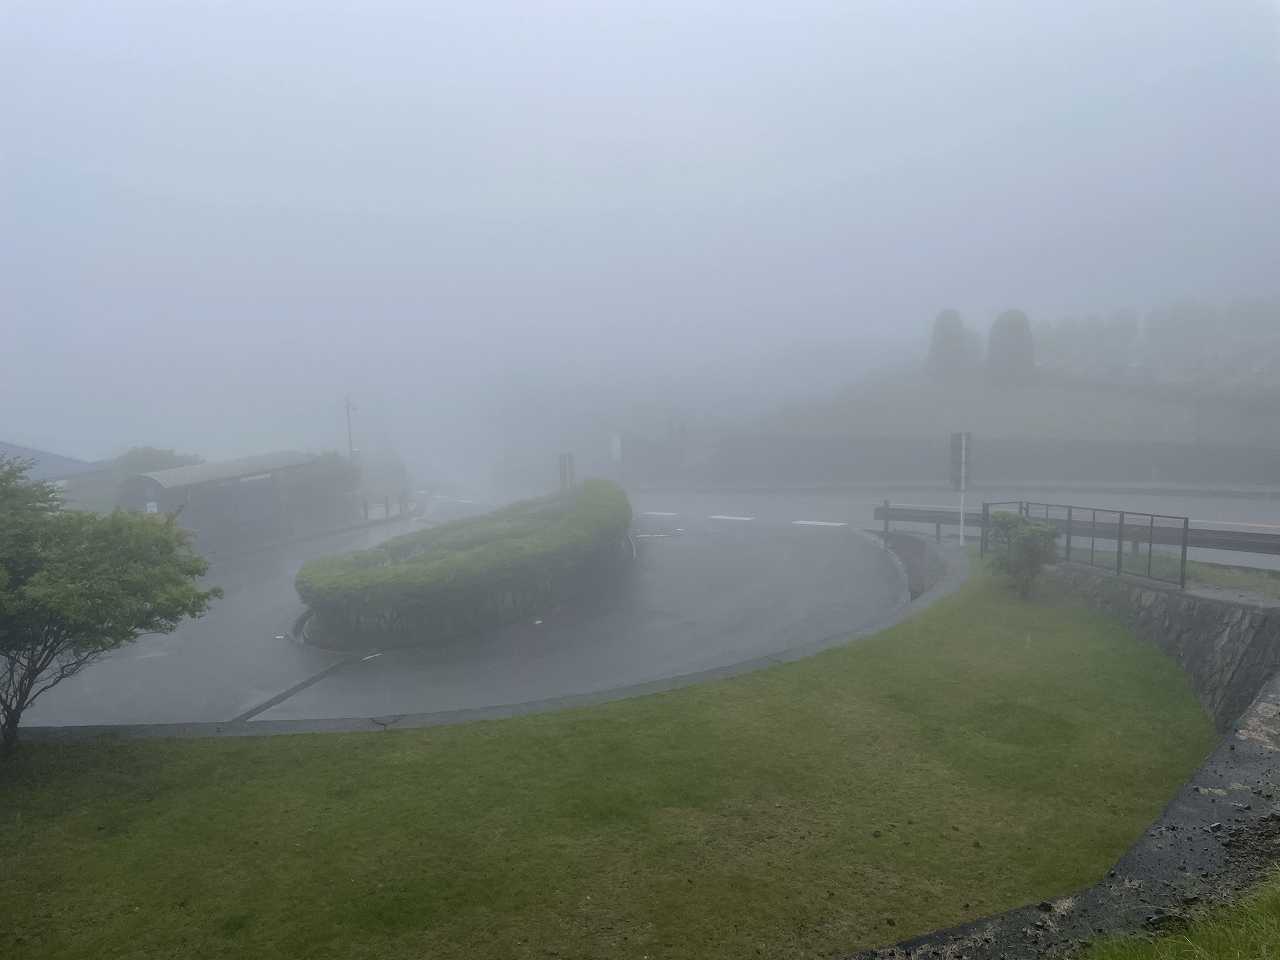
466 576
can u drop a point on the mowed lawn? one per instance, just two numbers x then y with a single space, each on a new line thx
984 754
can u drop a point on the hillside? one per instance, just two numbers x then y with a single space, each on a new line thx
911 404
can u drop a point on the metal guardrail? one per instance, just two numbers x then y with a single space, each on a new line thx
1114 527
1084 527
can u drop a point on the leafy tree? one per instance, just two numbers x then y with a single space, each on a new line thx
76 585
1011 351
1020 548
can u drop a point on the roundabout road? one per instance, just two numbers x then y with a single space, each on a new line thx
714 583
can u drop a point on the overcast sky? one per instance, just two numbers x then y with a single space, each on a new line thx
217 218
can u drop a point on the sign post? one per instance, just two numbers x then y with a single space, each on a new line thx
960 471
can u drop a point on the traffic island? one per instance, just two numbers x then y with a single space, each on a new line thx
469 576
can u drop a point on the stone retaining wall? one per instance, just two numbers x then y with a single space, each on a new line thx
1219 834
1228 649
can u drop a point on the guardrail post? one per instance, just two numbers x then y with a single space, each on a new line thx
1120 545
1069 510
1151 544
986 520
886 516
937 531
1186 530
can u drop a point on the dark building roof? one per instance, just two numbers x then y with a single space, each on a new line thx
48 466
229 469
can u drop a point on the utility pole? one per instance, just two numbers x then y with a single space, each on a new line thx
351 451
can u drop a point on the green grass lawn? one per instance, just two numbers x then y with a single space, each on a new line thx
1255 580
1249 930
1264 583
984 754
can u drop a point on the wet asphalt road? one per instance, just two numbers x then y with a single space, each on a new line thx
718 579
715 581
235 657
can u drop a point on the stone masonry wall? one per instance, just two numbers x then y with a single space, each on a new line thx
1227 648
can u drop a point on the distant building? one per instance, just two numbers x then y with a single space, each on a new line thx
231 504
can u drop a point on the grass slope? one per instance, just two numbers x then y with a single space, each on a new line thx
1264 583
1248 580
1249 930
984 754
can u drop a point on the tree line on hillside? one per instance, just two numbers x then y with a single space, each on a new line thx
956 351
1227 351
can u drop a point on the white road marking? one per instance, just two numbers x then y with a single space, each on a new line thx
819 523
659 513
722 516
372 656
650 535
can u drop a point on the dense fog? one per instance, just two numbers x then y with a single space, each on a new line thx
501 227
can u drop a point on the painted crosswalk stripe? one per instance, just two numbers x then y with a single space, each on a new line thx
819 523
722 516
658 513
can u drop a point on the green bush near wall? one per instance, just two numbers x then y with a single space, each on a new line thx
466 576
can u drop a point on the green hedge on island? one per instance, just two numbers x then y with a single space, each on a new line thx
466 576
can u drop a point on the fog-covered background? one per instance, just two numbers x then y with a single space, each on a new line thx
497 223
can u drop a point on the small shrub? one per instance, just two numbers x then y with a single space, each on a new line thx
1021 548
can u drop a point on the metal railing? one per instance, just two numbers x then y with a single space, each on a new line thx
1225 539
1114 538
